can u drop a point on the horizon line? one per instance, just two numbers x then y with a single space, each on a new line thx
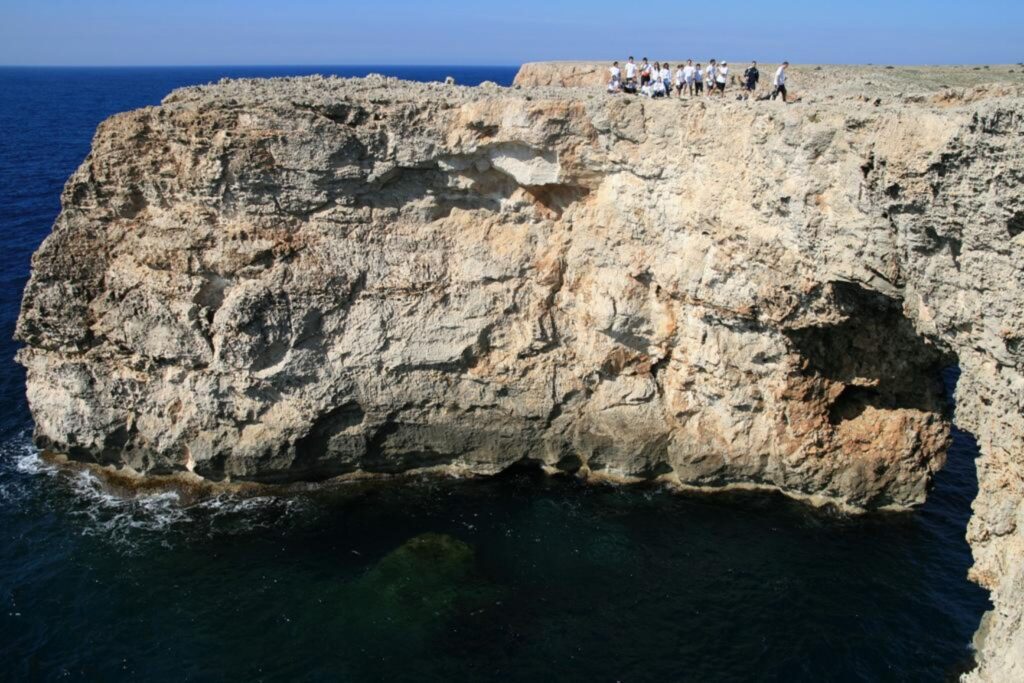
439 65
250 66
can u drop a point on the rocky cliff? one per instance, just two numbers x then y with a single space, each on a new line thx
302 279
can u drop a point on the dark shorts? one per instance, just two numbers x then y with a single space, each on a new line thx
698 86
720 86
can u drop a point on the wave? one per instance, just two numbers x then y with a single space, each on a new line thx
18 458
132 523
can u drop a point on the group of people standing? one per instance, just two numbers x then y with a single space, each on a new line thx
657 79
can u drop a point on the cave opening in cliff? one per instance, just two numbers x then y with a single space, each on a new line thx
877 370
874 355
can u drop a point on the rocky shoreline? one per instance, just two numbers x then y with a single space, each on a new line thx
127 483
305 279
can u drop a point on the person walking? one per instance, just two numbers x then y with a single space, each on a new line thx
750 78
779 82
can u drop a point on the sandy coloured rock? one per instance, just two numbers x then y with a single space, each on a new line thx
288 279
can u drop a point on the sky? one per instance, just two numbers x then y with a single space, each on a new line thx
447 32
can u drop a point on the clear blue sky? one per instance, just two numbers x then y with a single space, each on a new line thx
262 32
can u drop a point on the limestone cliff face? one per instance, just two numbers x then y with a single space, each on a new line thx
563 74
310 278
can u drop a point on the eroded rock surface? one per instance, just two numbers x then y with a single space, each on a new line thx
308 278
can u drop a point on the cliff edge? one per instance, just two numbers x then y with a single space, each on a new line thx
301 279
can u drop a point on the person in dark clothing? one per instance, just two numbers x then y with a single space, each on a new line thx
750 78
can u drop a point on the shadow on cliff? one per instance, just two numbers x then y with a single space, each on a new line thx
431 194
876 353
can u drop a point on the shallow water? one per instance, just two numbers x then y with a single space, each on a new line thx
522 577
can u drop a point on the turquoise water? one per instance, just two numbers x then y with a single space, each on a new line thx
520 578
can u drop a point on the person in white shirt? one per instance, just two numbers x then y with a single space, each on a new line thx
722 76
631 70
698 80
615 78
658 88
710 74
779 82
680 81
688 76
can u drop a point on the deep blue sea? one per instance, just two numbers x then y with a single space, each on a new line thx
520 578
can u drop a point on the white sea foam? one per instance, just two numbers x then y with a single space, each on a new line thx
122 519
135 521
229 504
26 457
19 462
131 523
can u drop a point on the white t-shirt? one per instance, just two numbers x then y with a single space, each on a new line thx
680 76
709 74
723 73
659 88
688 71
666 73
616 73
645 68
630 70
780 77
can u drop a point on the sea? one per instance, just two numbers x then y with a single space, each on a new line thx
517 578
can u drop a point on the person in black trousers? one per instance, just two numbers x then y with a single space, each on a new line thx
780 82
750 78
